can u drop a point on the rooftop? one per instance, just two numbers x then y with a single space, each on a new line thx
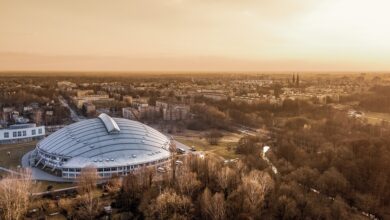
109 123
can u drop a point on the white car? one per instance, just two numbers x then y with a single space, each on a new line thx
161 169
180 150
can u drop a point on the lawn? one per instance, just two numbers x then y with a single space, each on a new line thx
16 151
376 117
41 186
14 159
225 147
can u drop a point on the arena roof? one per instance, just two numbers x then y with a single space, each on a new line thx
106 141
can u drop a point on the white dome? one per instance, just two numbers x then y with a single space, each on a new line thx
104 142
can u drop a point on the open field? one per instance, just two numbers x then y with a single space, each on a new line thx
16 151
225 147
14 159
376 117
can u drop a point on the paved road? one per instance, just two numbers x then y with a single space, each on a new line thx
376 118
264 156
9 171
75 117
183 146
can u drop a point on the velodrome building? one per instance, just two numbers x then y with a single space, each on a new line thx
112 145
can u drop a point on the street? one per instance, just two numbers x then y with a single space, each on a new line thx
75 117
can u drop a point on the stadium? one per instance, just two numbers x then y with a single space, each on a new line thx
112 145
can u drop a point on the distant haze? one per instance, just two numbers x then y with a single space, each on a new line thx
195 35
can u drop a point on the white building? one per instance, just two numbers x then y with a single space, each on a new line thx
112 145
21 133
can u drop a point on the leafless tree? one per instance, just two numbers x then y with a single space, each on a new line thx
187 181
87 185
213 206
213 137
205 201
131 190
146 176
225 178
253 189
15 195
169 205
114 184
69 206
88 179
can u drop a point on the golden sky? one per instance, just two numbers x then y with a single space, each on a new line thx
195 35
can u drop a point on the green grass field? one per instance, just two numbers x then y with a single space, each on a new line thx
16 153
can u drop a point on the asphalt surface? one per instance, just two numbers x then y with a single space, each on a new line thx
75 117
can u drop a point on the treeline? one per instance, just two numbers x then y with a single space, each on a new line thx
198 189
340 157
377 100
210 114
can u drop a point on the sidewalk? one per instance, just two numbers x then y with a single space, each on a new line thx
38 174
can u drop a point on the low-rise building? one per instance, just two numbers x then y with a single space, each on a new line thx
83 93
89 108
141 112
130 113
128 99
173 112
176 113
91 98
21 133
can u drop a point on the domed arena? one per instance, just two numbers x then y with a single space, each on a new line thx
112 145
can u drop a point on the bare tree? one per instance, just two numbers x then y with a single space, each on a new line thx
131 190
87 185
173 149
213 137
169 205
146 176
205 201
15 195
253 189
88 179
114 184
218 206
69 206
225 178
213 206
187 181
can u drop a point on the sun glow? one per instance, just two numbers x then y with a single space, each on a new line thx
195 35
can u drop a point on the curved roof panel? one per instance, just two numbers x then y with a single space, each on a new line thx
111 125
106 138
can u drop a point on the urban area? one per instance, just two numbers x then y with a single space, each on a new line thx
195 146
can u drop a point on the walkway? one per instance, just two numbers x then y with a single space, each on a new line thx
75 117
38 174
9 171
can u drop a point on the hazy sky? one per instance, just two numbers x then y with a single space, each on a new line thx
195 35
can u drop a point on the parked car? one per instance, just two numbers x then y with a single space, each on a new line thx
161 169
180 150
